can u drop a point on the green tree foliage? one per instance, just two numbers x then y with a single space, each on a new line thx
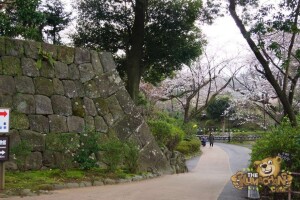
284 141
22 18
56 20
217 107
171 37
27 19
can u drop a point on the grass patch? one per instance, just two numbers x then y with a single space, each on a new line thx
45 179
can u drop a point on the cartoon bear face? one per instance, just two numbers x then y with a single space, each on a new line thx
268 166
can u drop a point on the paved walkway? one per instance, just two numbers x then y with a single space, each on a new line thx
204 182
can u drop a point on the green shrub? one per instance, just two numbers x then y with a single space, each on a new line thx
283 139
131 156
88 148
166 134
65 144
20 152
189 147
112 153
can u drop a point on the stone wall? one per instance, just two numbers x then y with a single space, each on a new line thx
64 90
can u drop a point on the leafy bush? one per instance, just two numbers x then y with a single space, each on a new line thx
131 156
113 153
283 139
190 129
21 151
88 148
65 144
189 147
166 134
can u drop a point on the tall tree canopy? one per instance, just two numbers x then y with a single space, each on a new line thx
21 18
271 31
150 38
57 19
27 19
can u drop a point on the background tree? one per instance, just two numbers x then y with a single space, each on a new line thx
22 18
273 37
194 87
57 19
217 107
150 39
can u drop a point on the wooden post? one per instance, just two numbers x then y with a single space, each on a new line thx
290 194
2 175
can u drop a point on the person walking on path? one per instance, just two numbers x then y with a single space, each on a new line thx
211 139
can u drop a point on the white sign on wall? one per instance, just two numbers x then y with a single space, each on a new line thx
4 120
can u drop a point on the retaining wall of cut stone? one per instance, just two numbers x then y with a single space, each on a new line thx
66 90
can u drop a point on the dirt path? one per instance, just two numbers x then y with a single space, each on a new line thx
204 182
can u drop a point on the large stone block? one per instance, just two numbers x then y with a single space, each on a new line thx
14 47
89 106
58 87
109 119
39 123
43 105
127 126
101 106
7 85
34 161
82 56
24 103
61 105
126 102
91 89
78 107
89 123
75 124
24 84
11 66
6 101
100 125
58 124
115 108
107 61
65 54
98 69
14 138
29 67
32 49
73 72
35 139
43 86
19 121
70 88
47 70
108 83
86 72
61 70
80 89
50 49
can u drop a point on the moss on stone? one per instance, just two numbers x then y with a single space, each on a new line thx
101 106
44 86
19 121
78 107
11 66
14 47
66 54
